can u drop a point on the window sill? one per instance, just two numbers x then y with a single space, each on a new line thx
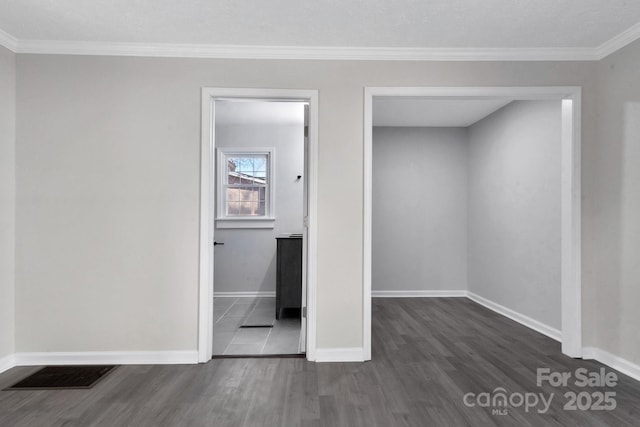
245 222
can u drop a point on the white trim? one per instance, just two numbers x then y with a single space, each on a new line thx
182 50
367 221
312 223
570 193
618 42
352 354
616 362
208 170
173 50
528 93
7 362
514 315
207 214
302 340
258 294
245 222
8 41
500 309
570 228
420 294
107 357
266 221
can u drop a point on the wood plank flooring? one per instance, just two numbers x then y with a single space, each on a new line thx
427 354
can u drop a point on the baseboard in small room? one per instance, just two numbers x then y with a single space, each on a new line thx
7 362
242 294
420 294
527 321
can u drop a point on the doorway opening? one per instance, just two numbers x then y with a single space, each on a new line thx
258 223
567 100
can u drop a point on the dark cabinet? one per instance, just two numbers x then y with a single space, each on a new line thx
288 274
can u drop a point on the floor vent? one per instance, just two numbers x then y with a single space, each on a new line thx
63 377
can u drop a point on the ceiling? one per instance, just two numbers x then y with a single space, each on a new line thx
392 111
575 25
399 111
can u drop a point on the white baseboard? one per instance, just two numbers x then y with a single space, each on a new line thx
107 358
613 361
7 362
500 309
353 354
244 294
520 318
419 294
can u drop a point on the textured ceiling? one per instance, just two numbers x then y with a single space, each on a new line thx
331 23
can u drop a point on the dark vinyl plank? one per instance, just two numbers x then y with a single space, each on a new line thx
427 353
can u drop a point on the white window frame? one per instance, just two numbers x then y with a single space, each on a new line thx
224 221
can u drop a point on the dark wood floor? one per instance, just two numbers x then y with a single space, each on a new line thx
427 354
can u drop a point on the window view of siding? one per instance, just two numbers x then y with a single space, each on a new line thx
246 185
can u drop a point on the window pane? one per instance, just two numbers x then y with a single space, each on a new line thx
246 188
247 194
233 208
246 201
247 209
248 169
233 194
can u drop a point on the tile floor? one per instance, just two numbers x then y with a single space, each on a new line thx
230 339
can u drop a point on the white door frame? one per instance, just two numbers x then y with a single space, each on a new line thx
571 277
207 189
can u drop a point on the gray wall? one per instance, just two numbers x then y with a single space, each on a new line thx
7 201
107 176
247 261
488 195
613 209
419 209
514 209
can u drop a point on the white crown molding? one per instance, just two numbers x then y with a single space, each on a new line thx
618 42
169 50
8 41
303 52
